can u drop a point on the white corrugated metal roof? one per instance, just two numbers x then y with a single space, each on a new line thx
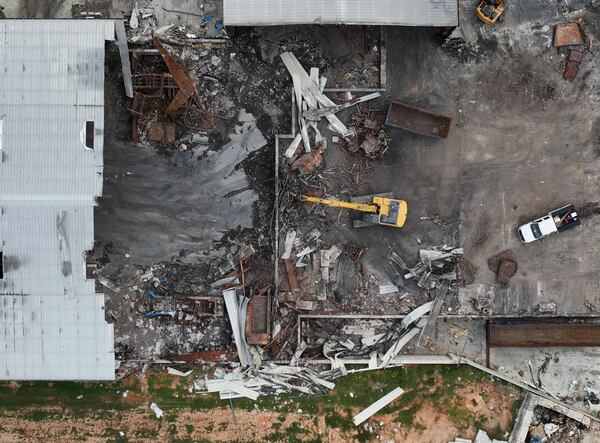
350 12
52 324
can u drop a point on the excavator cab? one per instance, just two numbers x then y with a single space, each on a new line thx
489 11
392 212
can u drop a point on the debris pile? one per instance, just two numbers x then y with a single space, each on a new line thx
166 291
163 96
435 265
375 343
267 379
551 426
312 273
371 138
144 25
311 105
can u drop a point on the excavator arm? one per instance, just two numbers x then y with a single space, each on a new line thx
341 204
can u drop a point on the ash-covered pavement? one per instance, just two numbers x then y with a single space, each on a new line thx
155 206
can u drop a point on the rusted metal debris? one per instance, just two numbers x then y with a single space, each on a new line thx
222 355
160 131
572 64
521 334
187 88
370 136
166 95
290 270
356 252
258 320
504 266
567 34
417 120
156 83
189 309
307 163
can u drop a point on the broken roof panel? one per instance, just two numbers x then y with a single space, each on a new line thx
52 323
349 12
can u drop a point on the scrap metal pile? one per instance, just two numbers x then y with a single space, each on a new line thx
313 273
375 343
312 105
163 97
267 379
435 265
371 138
381 342
144 25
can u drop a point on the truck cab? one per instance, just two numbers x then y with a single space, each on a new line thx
558 220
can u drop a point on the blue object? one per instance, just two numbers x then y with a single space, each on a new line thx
163 280
219 26
152 293
536 439
154 314
207 19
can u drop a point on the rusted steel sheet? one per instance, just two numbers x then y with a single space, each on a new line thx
542 334
257 321
575 56
567 34
403 116
163 132
187 87
222 355
154 82
572 65
290 269
571 69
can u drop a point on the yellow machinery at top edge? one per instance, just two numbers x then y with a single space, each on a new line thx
489 11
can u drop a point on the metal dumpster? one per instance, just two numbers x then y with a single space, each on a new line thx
413 119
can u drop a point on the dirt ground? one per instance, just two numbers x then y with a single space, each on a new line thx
452 407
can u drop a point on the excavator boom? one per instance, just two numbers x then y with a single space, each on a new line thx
342 204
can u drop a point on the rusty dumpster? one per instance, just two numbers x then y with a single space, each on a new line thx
403 116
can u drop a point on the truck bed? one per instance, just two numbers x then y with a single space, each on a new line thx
565 218
403 116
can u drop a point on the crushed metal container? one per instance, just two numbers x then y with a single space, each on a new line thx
568 34
413 119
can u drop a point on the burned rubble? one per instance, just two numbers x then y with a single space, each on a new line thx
190 88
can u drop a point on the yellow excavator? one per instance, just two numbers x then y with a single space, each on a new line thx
489 11
378 209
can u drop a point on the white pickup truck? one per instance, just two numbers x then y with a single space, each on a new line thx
558 220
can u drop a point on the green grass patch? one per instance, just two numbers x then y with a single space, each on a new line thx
461 416
407 416
335 420
40 415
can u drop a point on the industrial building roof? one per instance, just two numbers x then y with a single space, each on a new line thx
52 323
350 12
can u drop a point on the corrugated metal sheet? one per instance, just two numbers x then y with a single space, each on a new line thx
351 12
52 324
